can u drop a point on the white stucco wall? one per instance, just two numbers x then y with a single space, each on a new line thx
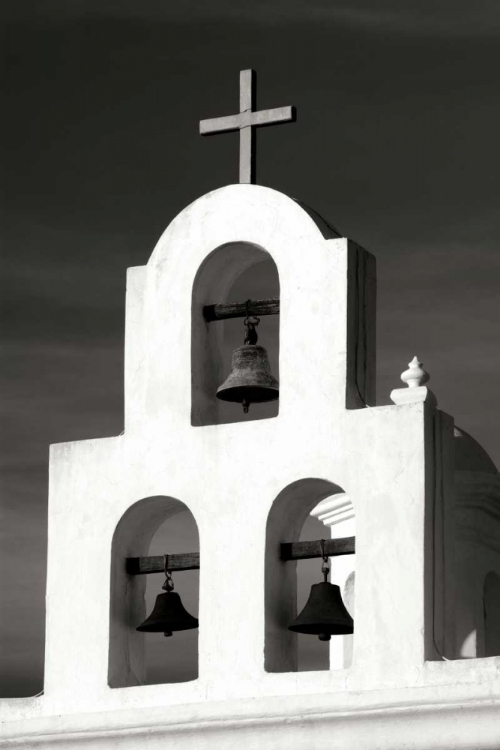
249 487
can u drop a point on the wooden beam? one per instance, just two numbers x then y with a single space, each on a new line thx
308 550
136 566
259 307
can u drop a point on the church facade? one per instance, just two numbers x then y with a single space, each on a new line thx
422 669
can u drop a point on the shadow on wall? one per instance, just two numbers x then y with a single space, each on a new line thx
491 605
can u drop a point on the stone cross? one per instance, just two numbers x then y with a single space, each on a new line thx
246 122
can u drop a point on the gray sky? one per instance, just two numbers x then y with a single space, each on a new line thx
396 144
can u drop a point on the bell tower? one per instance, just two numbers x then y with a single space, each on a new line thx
250 487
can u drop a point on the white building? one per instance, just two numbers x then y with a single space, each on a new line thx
424 500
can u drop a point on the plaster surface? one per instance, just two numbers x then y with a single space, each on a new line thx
250 486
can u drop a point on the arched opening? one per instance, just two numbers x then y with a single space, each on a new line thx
287 583
234 272
491 603
153 526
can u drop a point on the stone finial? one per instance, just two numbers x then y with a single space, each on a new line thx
415 376
416 392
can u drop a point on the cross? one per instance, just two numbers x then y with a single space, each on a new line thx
246 122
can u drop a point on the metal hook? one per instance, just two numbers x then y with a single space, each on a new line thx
325 569
169 583
323 553
251 321
247 316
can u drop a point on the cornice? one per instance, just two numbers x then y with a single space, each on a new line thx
334 510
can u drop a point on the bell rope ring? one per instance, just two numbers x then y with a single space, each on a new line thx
250 380
168 614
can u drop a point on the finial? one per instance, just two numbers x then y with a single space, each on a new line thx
416 392
415 375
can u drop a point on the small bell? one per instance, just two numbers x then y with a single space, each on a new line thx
168 613
324 614
250 380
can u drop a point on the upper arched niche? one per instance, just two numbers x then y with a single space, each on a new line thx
215 278
195 262
203 250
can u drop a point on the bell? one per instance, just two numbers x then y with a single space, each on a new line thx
324 614
250 380
168 615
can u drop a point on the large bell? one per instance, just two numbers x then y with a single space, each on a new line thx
168 615
324 614
250 380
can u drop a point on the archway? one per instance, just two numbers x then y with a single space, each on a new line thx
233 272
143 530
285 522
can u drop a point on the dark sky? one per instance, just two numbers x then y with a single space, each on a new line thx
396 144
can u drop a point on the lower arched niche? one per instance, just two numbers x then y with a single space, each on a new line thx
147 528
285 522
